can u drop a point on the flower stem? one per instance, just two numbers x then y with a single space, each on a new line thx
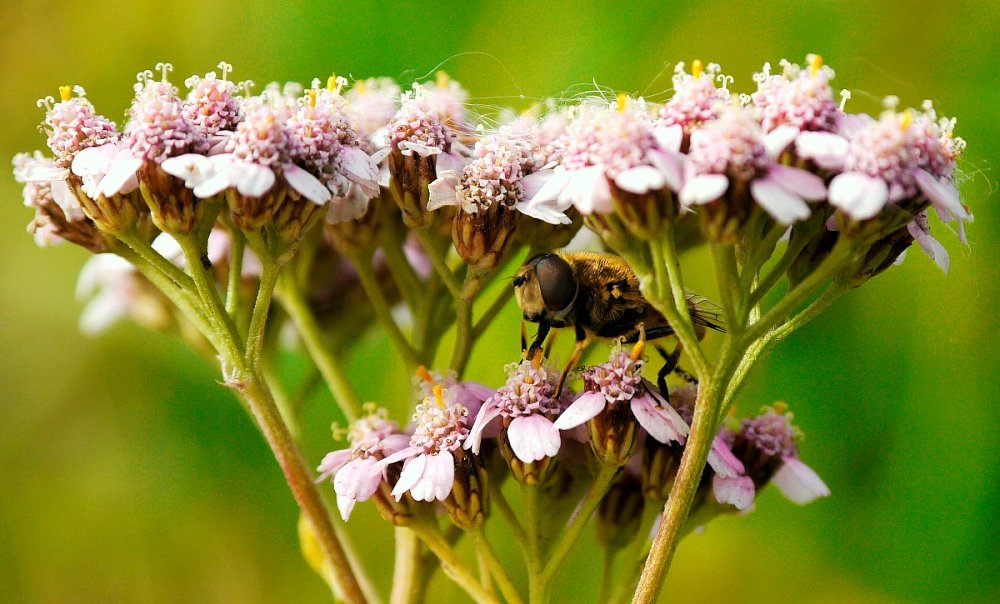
493 564
500 502
382 311
682 494
607 574
407 583
465 334
665 291
209 295
294 302
492 312
150 255
452 565
258 398
569 535
238 245
262 305
435 254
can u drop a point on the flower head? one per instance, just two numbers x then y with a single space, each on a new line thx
158 127
418 127
72 125
696 100
211 104
797 97
371 104
446 97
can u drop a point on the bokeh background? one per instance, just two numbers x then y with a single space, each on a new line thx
127 474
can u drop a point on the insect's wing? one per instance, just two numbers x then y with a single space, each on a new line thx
705 313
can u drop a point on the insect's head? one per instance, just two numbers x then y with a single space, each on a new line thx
546 288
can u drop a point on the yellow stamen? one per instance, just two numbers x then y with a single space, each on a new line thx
536 361
640 346
780 407
906 120
312 97
439 395
442 79
360 86
622 101
815 62
425 375
696 68
65 92
331 82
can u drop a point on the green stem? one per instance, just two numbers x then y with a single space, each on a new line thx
261 307
607 575
209 295
407 585
383 313
150 255
424 321
452 565
464 333
492 312
533 551
636 552
760 252
237 244
500 502
792 251
495 567
579 520
294 302
728 276
258 398
438 261
665 292
682 494
406 278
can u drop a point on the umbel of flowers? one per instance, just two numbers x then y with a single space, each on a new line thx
224 215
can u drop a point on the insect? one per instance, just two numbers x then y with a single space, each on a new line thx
598 296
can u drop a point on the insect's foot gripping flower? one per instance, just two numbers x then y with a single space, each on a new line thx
356 471
766 445
615 402
420 145
436 467
523 407
612 164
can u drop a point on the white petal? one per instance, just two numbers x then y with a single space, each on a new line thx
533 438
736 491
94 161
103 311
120 172
803 183
799 483
587 406
443 191
409 148
226 172
777 140
859 195
671 165
345 505
66 200
704 189
931 246
552 187
784 206
828 150
167 246
659 420
588 190
722 460
306 184
487 414
944 196
640 179
533 183
413 470
542 211
192 168
669 138
360 169
255 180
41 170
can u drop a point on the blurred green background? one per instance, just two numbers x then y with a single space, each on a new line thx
129 475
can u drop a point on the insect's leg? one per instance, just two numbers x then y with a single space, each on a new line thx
524 338
581 343
687 377
669 364
543 330
550 344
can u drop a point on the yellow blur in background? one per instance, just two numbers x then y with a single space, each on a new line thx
127 474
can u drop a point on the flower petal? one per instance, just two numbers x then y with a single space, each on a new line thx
640 179
588 191
413 471
305 183
584 408
487 414
783 205
722 460
333 461
859 195
552 187
360 169
737 491
669 138
254 180
799 483
944 196
803 183
192 168
671 164
543 211
443 190
827 149
658 419
120 173
533 437
703 189
777 140
931 246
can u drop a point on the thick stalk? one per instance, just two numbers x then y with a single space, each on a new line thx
332 371
258 398
407 585
150 255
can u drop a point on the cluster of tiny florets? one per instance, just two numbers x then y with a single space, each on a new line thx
72 125
212 105
495 172
796 97
446 98
371 104
771 432
617 136
261 138
619 380
695 100
440 425
371 428
417 122
529 390
733 145
158 128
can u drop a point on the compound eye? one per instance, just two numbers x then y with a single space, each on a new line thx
556 281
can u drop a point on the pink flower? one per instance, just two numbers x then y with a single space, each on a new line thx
357 471
470 395
525 405
732 149
72 125
695 101
429 464
619 382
